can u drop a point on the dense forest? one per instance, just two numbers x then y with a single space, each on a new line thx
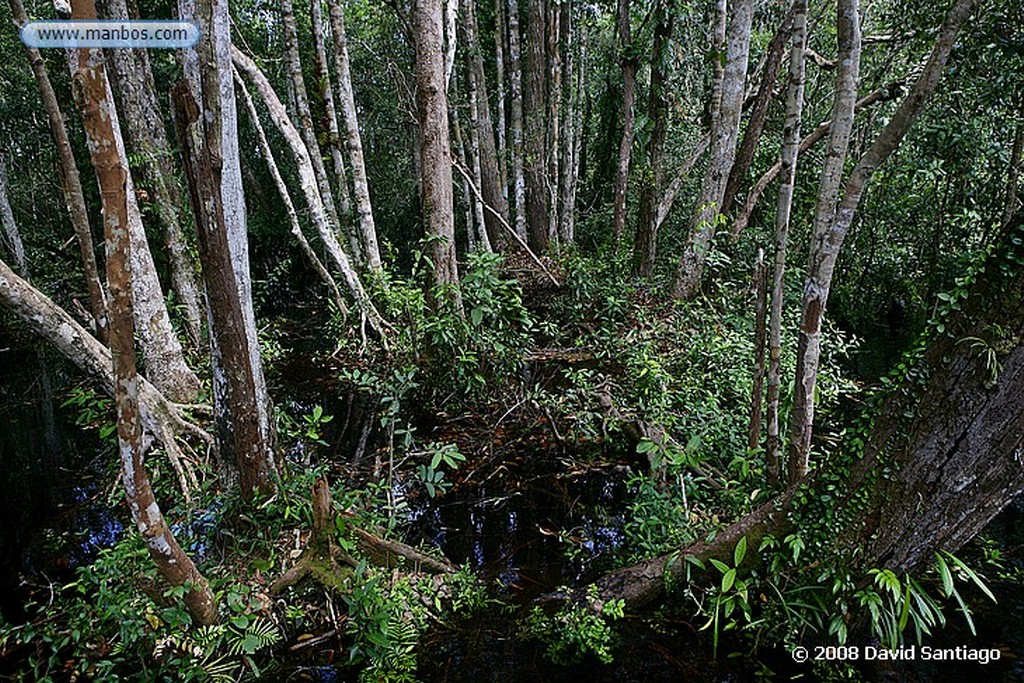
519 340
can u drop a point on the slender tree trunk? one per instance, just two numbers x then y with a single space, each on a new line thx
668 196
723 152
516 110
817 135
451 13
329 120
1010 207
305 121
133 81
478 227
474 205
100 121
286 199
790 145
832 223
353 140
808 349
502 123
435 148
162 354
573 65
482 135
628 122
554 98
71 184
11 234
646 242
760 290
755 124
308 184
535 124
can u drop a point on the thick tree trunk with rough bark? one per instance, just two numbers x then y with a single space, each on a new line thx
832 223
645 244
535 123
99 119
71 184
133 83
790 145
435 148
723 151
353 140
628 61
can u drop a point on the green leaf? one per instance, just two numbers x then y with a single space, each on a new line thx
728 579
739 552
719 565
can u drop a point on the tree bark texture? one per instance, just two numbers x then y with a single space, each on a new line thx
723 151
760 290
353 140
70 181
628 61
516 114
133 83
435 148
535 123
790 150
100 121
11 234
490 176
645 245
831 229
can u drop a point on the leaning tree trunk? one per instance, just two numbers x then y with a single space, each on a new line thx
353 140
307 182
952 447
832 224
628 62
162 354
144 125
11 234
71 183
723 152
790 145
435 148
99 118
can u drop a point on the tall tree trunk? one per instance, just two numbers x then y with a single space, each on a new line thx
307 182
235 220
339 222
435 148
723 152
100 121
573 68
535 124
755 124
628 61
162 355
11 234
353 140
554 103
477 228
133 82
760 290
790 145
832 223
500 33
329 120
483 134
286 199
646 243
516 112
71 184
474 204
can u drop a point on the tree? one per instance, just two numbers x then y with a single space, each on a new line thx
628 60
724 134
832 221
99 118
535 112
435 149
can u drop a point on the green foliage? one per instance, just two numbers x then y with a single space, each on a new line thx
578 627
431 475
93 411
